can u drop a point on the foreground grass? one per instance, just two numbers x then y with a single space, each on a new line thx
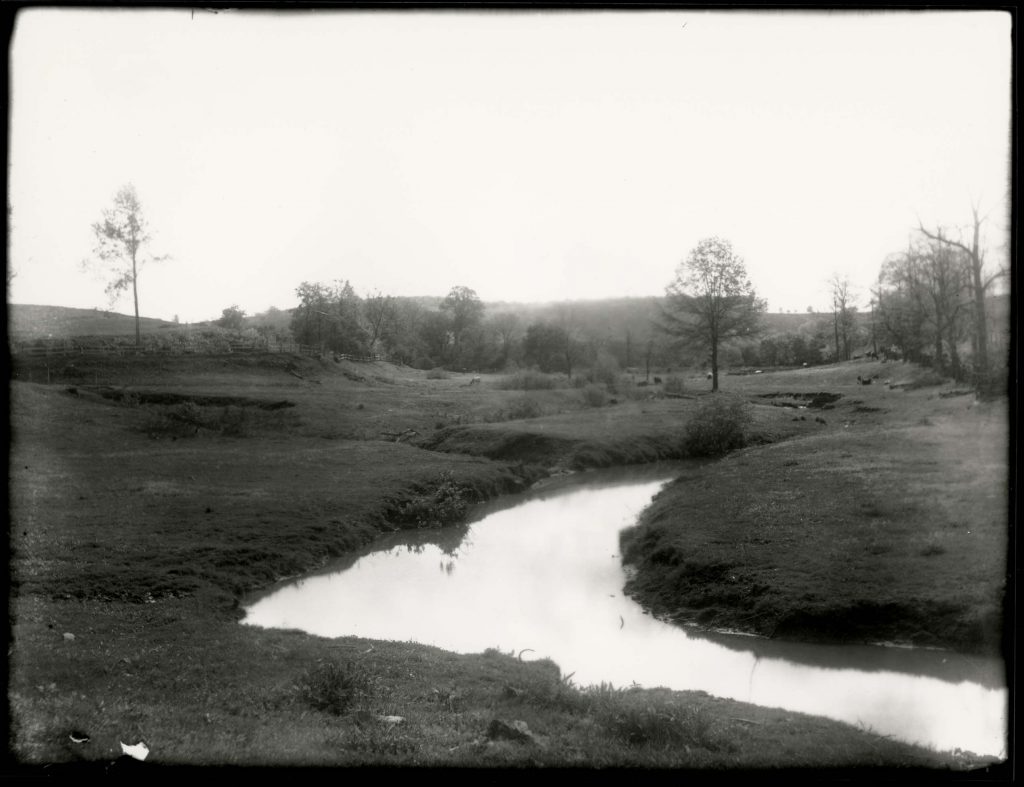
139 542
202 691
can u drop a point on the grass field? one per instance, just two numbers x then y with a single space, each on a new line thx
143 507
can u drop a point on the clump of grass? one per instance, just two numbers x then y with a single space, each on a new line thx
436 505
637 718
717 426
932 549
594 396
527 380
437 373
336 688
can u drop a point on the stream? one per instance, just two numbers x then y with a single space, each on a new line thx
539 572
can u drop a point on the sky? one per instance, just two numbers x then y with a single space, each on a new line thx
529 156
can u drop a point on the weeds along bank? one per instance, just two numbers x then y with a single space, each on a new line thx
138 543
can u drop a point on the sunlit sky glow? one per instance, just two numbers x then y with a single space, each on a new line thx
529 156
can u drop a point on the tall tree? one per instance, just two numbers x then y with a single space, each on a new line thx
711 300
122 238
380 313
842 315
507 327
980 282
465 310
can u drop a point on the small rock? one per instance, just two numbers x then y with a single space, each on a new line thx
391 719
69 637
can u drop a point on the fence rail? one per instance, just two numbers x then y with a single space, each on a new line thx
71 349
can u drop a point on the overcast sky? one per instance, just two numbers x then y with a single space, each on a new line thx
529 156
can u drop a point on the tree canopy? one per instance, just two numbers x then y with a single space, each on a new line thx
122 237
711 300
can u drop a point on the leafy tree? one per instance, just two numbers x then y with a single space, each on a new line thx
711 300
232 317
506 326
465 311
122 238
380 313
328 316
544 346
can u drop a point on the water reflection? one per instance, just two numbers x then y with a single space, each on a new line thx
544 574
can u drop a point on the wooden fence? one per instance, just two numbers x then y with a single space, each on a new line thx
68 349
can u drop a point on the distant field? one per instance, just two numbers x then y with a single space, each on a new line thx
27 321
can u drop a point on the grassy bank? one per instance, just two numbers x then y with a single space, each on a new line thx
138 522
891 528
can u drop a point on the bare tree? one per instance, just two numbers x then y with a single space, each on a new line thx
711 300
980 283
122 236
842 315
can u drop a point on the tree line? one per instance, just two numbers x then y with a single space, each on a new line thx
929 306
932 301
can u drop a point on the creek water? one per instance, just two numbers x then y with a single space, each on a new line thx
541 573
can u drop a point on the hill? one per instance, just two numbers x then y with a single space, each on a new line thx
27 321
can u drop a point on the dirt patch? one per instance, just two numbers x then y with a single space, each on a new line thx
814 401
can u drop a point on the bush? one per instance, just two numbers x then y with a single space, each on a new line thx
437 373
605 370
717 426
439 504
336 688
594 396
673 385
524 407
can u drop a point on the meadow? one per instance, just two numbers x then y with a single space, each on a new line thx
149 495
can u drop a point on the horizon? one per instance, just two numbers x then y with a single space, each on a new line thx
532 157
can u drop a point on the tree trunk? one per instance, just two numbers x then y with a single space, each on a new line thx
835 328
714 364
135 296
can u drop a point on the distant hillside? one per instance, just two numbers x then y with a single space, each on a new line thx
25 321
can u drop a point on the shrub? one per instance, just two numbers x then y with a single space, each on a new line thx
436 505
717 426
437 373
594 396
524 407
336 688
673 385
